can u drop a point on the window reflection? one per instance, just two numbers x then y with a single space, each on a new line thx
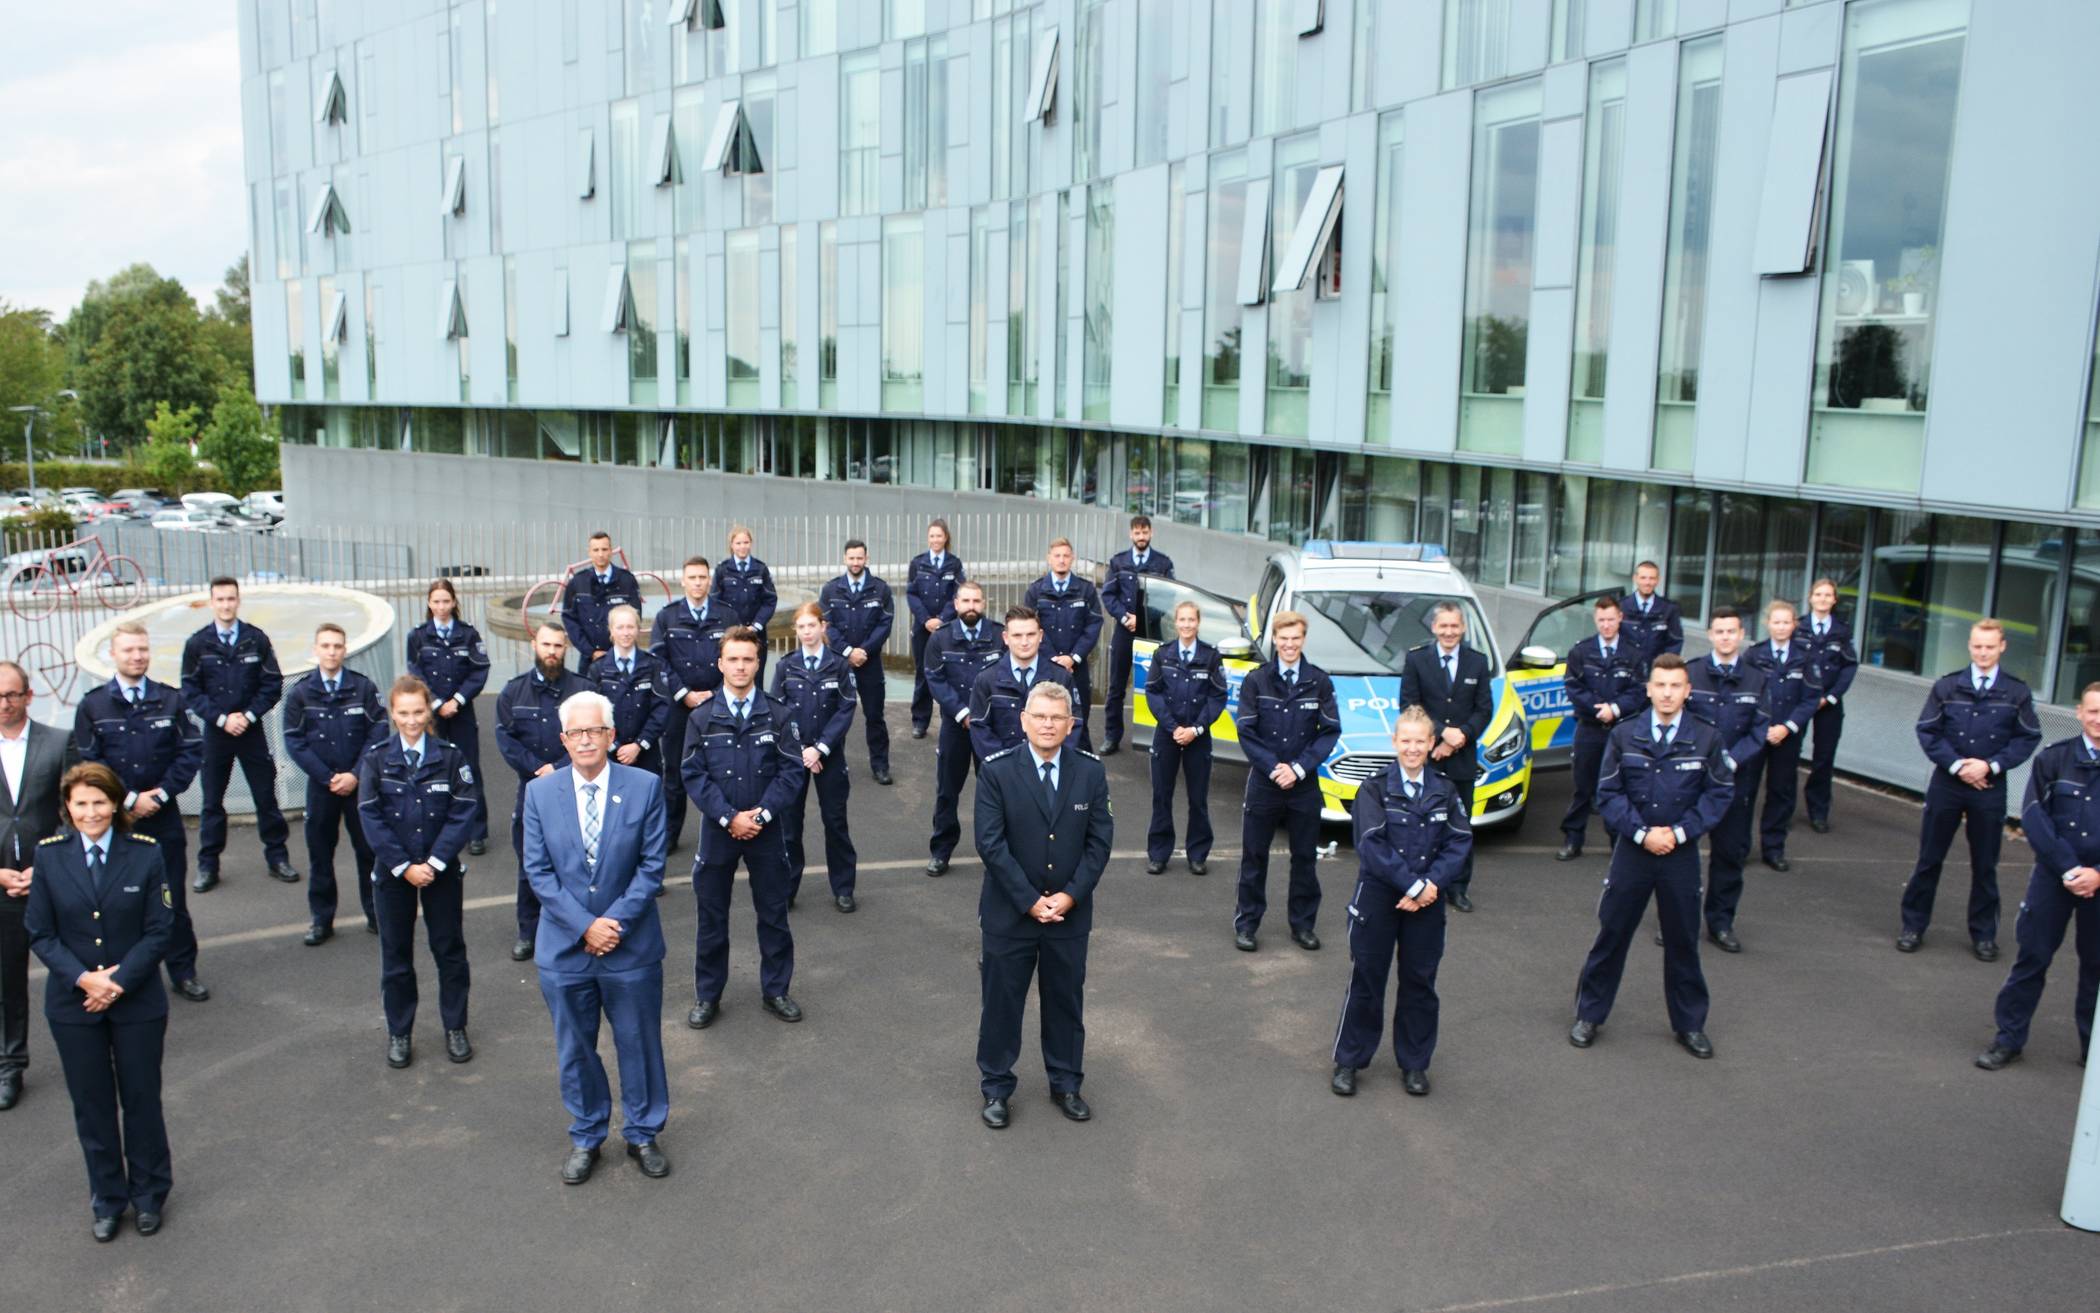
1498 274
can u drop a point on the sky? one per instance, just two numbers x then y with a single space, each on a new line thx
120 142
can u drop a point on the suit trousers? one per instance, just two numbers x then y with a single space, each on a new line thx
832 786
324 810
1949 804
1381 935
395 900
1191 764
1005 967
1297 811
1673 880
713 877
464 732
165 828
954 759
252 751
14 985
1828 725
633 1001
112 1066
2047 911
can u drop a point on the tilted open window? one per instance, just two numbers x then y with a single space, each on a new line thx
1314 248
1796 175
329 217
1042 83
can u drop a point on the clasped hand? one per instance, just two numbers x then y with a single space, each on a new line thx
101 988
745 825
602 937
1051 908
1417 904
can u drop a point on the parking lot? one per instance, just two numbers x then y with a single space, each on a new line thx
1839 1152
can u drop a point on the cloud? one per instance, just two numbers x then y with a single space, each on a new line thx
122 143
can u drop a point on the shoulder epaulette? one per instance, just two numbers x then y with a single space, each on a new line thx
56 838
141 838
1084 753
1003 752
1420 647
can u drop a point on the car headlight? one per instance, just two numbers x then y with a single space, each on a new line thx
1506 744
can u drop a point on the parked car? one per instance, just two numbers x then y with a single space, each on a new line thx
186 520
145 508
269 503
68 560
209 501
246 519
136 495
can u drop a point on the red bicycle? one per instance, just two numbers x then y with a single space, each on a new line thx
547 594
33 589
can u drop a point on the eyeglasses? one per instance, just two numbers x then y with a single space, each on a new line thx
22 696
594 732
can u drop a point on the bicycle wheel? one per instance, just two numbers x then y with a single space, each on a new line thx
51 672
121 583
547 593
33 593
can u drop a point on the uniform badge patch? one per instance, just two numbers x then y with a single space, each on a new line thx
167 899
466 775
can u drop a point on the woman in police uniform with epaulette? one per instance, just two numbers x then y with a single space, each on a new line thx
448 654
99 917
815 681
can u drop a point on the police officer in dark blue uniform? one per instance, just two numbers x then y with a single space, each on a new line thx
447 653
589 596
745 586
1791 697
1412 839
99 917
140 728
1450 680
1651 622
816 685
1605 679
1185 691
858 614
1977 726
331 715
1122 597
930 582
1833 662
1664 783
638 684
1001 690
687 636
743 767
1070 611
1288 725
1728 694
528 736
959 653
417 795
230 680
2061 818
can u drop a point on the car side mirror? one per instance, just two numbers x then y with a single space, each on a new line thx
1536 657
1236 649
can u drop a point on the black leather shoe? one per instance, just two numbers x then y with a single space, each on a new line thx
477 848
371 925
1243 940
1909 940
284 871
918 731
1414 1082
1819 825
881 776
1582 1034
1071 1105
521 951
192 989
106 1228
1306 940
1110 749
1996 1057
1725 940
1986 950
1568 852
651 1159
400 1051
995 1114
845 903
1154 868
148 1223
1344 1081
936 866
703 1014
783 1007
318 934
1198 868
1778 862
576 1168
791 902
10 1090
458 1047
1460 901
1696 1043
1658 939
204 881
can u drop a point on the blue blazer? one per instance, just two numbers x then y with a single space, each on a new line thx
1033 847
75 927
630 869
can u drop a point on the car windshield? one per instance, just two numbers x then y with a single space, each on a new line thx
1361 632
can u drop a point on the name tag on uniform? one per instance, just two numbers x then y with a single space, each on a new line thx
617 600
948 577
1793 674
1440 816
163 723
1746 697
351 711
642 684
831 684
252 658
1078 806
1691 765
131 888
1474 680
765 738
871 604
1309 706
440 786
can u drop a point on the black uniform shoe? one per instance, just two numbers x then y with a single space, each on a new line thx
1819 824
1908 941
783 1007
1306 940
478 848
1110 749
1414 1082
1725 940
1243 940
1696 1043
1071 1105
192 989
458 1047
995 1114
1778 862
149 1223
1996 1057
918 731
703 1014
318 934
576 1168
521 951
371 925
1568 852
882 776
1198 868
285 871
1658 939
1460 901
1154 868
204 881
1582 1034
844 902
1986 950
651 1159
10 1090
1344 1081
936 866
106 1228
400 1051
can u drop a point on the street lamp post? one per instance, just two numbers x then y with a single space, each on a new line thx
29 434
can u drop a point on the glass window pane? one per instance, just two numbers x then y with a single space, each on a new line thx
1385 252
1787 525
682 317
1894 632
915 125
1191 498
1570 509
1099 324
903 302
1155 64
770 148
2029 564
1476 41
1297 163
1435 522
860 132
1841 544
1498 268
740 316
1090 84
295 336
1527 564
827 309
1221 305
1500 511
1177 206
1738 561
1231 64
1955 589
820 27
1605 137
2078 661
1394 492
641 335
1021 333
980 327
624 167
2089 461
1684 263
1275 66
1691 516
790 334
1228 476
1463 542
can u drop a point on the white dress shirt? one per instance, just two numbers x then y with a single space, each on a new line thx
603 779
14 758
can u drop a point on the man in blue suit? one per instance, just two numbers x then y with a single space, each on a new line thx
595 840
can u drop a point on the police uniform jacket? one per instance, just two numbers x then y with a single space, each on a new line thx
1296 726
860 620
748 593
1591 681
735 765
954 660
1032 845
1733 703
1119 595
1791 692
327 735
640 698
690 645
929 594
1832 659
528 719
420 815
153 745
1188 694
1998 727
1660 630
821 700
77 925
2061 816
454 666
1402 841
585 603
997 698
1686 787
219 679
1467 702
1071 620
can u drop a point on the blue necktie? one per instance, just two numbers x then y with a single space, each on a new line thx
1049 783
936 561
226 637
415 759
1290 679
1450 676
856 588
1413 789
590 823
738 706
135 694
1027 676
626 666
329 684
1669 732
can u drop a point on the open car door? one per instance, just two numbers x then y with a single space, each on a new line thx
1538 671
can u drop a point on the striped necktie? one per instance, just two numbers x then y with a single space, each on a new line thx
590 823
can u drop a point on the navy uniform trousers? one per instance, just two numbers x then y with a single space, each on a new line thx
252 750
1828 725
464 731
323 811
954 759
1948 802
111 1065
1587 763
841 861
1380 936
1005 967
1297 811
1782 765
922 704
1673 881
165 828
1192 765
714 875
2050 909
1728 848
395 901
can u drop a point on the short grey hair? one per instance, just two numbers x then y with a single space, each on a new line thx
1048 690
577 702
1447 605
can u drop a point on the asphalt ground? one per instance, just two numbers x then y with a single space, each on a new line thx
1840 1152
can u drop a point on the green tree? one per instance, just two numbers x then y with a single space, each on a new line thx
32 369
135 287
166 456
240 443
227 325
148 353
232 303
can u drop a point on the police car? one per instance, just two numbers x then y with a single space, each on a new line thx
1539 673
1365 605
